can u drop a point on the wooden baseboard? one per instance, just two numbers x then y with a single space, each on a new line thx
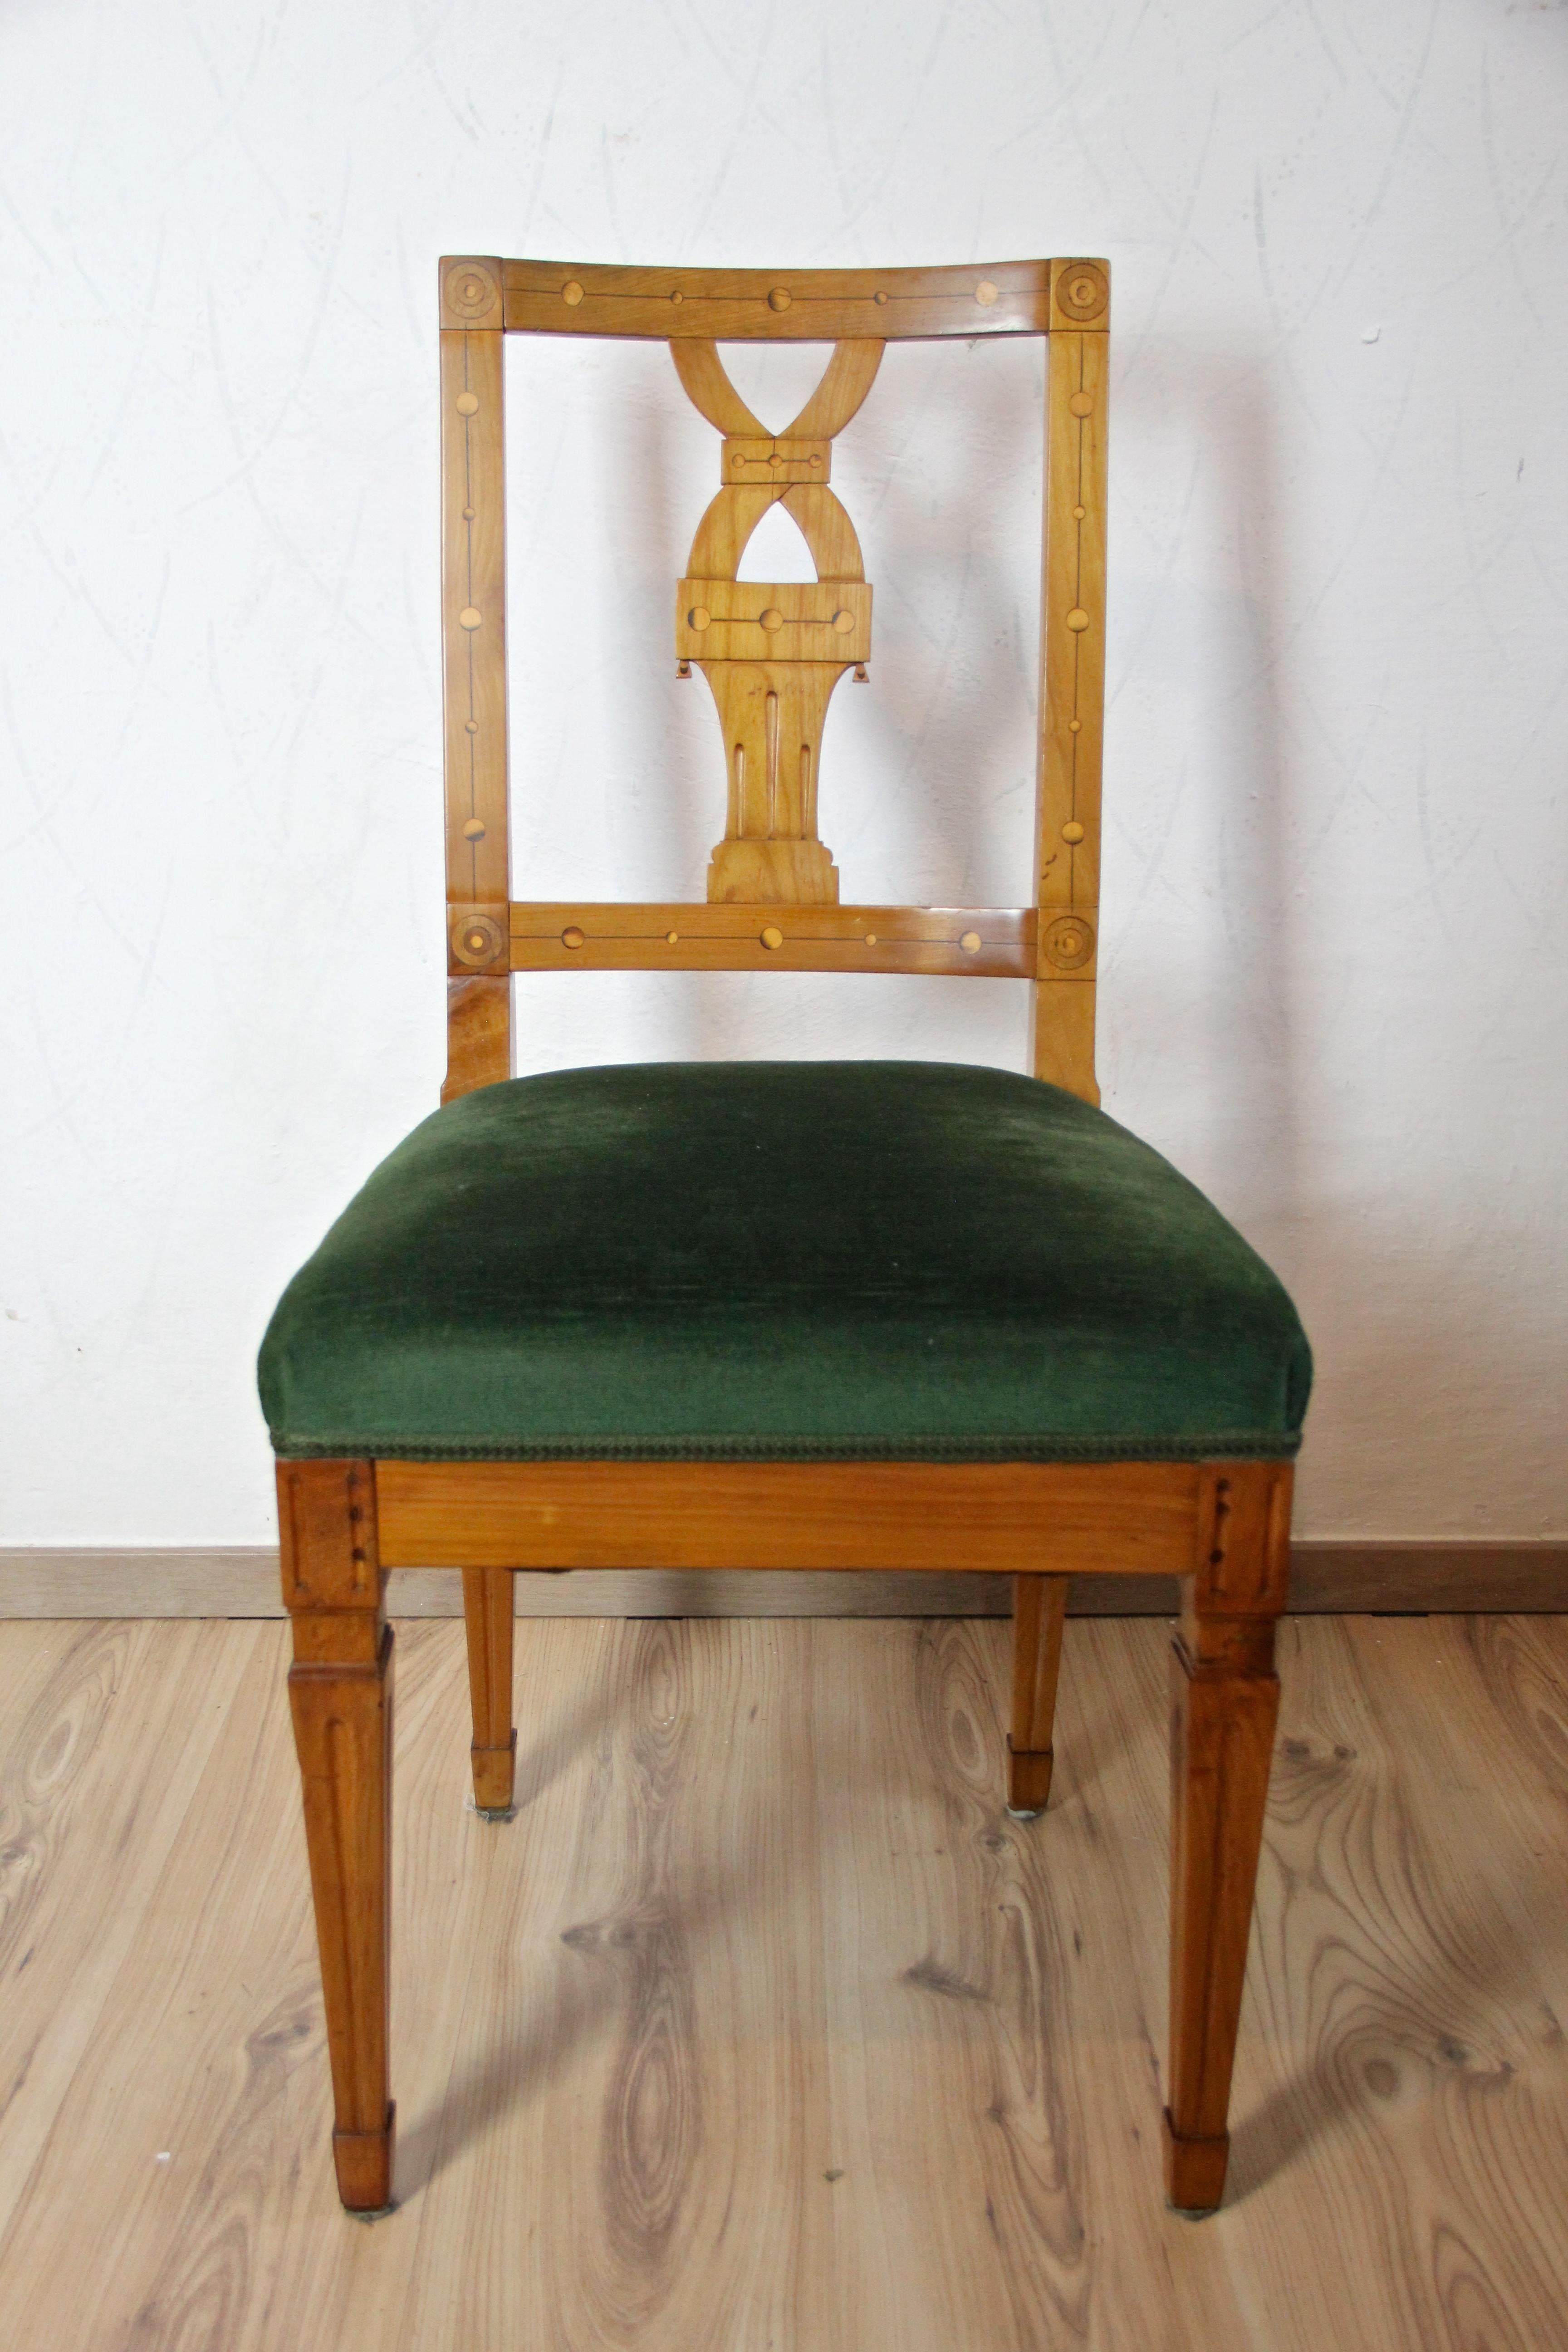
1326 1577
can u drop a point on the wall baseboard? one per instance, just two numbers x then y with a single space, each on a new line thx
1327 1577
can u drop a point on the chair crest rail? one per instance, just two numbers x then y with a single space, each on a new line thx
574 298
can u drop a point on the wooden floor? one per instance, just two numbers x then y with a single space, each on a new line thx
762 2026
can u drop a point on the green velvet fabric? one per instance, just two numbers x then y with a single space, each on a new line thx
784 1260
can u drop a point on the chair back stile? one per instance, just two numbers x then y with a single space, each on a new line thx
772 654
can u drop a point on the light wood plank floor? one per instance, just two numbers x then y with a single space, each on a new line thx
761 2028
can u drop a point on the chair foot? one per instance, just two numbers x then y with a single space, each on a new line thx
493 1771
363 2162
1194 2170
1028 1779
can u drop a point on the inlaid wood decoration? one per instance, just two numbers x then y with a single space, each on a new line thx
772 653
771 656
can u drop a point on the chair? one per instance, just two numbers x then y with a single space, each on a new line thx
829 1315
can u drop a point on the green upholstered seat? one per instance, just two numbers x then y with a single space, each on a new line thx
782 1260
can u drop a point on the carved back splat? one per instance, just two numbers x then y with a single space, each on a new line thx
772 654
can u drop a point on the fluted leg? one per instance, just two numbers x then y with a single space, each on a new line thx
339 1691
1224 1703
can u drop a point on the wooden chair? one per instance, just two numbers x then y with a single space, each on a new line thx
836 1314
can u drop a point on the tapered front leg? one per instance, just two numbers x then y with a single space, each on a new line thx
1224 1703
488 1615
1039 1612
339 1691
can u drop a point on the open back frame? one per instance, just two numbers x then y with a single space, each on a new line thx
773 891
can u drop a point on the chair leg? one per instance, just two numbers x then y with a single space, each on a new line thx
1225 1704
488 1615
339 1692
1039 1610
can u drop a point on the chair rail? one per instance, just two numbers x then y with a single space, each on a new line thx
984 942
1122 1518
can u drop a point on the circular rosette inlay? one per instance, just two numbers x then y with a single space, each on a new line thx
477 940
1068 943
471 292
1081 290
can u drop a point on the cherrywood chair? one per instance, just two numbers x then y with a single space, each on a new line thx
826 1315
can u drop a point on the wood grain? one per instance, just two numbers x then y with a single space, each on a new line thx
1225 1699
1071 711
210 2050
732 613
718 938
948 1996
575 298
488 1615
772 653
1039 1614
478 1035
728 521
1402 1877
470 291
847 378
1222 1739
339 1695
829 534
706 383
473 581
1114 1518
762 1942
734 513
67 1783
342 1734
474 683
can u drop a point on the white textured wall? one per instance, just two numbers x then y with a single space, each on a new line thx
1335 869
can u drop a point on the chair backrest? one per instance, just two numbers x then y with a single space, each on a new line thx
773 653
